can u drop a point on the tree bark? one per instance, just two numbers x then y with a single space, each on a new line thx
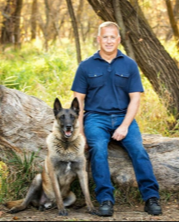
152 58
26 121
17 16
176 9
33 19
173 22
125 40
47 8
7 24
75 29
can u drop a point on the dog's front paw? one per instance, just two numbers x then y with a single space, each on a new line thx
63 212
41 208
13 210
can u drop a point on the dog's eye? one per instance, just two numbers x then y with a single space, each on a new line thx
62 117
71 116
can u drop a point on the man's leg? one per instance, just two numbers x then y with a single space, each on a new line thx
147 182
98 137
145 177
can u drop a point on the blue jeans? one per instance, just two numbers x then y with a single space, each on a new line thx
98 130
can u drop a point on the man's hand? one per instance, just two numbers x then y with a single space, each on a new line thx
120 133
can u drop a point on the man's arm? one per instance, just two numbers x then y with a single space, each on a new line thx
132 109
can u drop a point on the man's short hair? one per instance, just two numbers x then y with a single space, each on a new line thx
108 24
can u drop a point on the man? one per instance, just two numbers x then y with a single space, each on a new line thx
108 87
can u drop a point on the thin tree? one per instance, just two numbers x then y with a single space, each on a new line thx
47 7
173 22
126 41
17 17
8 24
7 29
75 29
33 19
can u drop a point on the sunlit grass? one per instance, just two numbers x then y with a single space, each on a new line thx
48 75
153 116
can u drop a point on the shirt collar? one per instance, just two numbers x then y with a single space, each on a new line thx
97 55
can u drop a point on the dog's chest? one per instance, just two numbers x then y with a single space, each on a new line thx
68 167
64 167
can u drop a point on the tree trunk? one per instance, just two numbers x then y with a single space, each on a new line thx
140 13
79 18
152 58
47 8
125 40
173 22
26 121
176 10
17 16
75 29
33 19
7 24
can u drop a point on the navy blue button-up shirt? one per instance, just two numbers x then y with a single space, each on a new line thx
107 85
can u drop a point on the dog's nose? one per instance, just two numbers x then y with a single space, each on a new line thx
68 126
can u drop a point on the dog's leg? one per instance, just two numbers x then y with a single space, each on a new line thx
56 188
70 199
83 178
32 193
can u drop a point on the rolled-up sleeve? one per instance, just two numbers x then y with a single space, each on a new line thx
80 83
135 83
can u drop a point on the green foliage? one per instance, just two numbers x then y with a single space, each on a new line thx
21 171
45 75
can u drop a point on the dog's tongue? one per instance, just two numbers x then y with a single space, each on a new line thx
68 133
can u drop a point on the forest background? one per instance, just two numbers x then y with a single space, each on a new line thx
43 41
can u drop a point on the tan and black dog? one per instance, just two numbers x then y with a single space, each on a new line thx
65 160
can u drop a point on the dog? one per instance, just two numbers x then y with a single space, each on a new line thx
64 162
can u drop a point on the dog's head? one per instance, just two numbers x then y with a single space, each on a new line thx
66 118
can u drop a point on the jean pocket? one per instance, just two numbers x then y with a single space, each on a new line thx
121 79
95 80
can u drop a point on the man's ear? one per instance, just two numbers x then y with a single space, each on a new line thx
119 39
98 39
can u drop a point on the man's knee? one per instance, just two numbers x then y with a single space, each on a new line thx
98 148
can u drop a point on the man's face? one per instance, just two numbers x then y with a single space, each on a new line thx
109 39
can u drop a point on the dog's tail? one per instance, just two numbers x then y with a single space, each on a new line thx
15 203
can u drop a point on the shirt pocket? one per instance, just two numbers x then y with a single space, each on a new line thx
95 80
121 79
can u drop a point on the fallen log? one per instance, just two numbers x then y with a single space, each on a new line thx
25 122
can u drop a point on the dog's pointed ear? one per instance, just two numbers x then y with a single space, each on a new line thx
57 106
75 105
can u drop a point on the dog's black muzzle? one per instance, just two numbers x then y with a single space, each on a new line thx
68 131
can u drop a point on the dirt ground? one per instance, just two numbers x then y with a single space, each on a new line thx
121 213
